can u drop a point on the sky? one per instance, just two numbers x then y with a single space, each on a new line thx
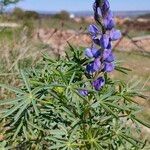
81 5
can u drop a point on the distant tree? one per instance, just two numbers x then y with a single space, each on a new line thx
4 3
31 15
64 15
18 13
144 16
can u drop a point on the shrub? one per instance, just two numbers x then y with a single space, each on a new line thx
18 13
63 15
31 15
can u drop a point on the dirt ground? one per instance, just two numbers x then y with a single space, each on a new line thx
57 39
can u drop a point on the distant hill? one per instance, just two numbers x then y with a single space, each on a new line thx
145 16
116 13
130 13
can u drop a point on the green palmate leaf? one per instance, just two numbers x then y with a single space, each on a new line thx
13 109
25 132
18 130
107 94
58 146
95 105
25 81
117 106
10 101
72 78
13 89
57 132
54 139
35 107
108 110
22 109
34 126
116 98
69 113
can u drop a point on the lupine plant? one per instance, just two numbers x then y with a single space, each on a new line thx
71 103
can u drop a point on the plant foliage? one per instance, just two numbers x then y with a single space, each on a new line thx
49 112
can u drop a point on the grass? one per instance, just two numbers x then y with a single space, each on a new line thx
138 63
59 24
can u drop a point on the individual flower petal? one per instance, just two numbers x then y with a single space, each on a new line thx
83 92
108 67
92 52
93 30
104 41
115 35
99 83
93 66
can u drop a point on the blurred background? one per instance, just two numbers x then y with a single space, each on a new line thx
29 28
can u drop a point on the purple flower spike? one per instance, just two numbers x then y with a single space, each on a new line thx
92 53
115 35
83 92
99 83
109 67
104 41
94 66
93 30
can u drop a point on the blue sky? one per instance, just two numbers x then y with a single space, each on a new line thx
81 5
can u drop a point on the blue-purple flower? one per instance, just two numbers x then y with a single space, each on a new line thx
109 67
93 66
92 53
108 21
93 30
98 83
115 35
83 92
108 56
104 41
